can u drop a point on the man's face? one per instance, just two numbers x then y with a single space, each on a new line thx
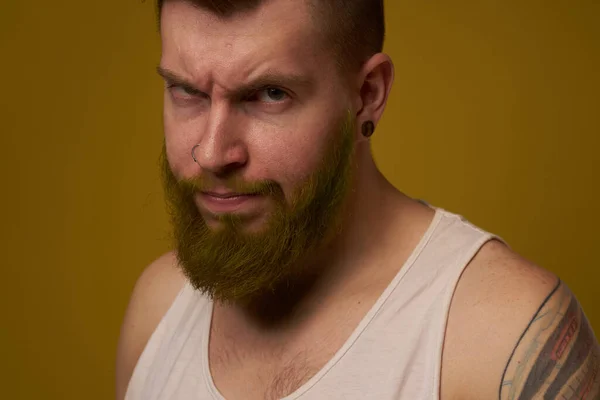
264 110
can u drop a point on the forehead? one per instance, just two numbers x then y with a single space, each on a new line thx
279 35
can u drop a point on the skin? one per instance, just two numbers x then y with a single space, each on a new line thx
556 356
507 316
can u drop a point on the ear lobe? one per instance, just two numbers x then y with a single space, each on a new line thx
368 128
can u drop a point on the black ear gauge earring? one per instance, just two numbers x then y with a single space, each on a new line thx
368 127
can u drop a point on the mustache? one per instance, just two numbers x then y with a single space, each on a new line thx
234 184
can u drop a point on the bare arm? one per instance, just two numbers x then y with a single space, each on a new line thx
516 332
557 355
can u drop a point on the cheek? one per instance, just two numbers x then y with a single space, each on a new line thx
179 147
288 158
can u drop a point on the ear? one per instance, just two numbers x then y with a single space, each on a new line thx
374 84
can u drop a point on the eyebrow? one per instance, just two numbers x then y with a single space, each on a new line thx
171 77
270 78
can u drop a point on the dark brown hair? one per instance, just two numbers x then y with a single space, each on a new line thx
353 29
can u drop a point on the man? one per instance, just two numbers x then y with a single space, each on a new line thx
298 269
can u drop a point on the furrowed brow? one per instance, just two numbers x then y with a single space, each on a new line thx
274 79
269 79
173 78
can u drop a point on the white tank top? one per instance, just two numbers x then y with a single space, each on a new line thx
395 352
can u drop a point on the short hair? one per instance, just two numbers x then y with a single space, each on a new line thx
353 29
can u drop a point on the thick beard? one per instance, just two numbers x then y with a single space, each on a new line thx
230 265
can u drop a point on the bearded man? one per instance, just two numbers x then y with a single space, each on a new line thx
298 270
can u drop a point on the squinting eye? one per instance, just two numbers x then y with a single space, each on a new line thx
181 91
271 95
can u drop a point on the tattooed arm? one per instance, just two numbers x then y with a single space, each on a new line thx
516 332
557 356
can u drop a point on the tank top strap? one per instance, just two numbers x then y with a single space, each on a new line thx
179 330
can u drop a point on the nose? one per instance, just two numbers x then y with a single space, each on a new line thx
220 149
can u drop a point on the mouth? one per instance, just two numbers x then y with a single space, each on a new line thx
227 195
221 202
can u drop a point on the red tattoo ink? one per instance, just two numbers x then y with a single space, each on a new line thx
585 391
565 337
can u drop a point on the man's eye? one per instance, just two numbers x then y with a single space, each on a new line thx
271 95
181 91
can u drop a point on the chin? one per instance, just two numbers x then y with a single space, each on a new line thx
247 223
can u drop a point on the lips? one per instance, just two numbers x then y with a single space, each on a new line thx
228 195
227 202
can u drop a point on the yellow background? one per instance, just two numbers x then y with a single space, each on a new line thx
494 115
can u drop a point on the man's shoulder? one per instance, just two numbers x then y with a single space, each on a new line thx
505 310
155 290
152 296
500 279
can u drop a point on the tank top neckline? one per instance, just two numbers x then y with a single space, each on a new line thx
354 336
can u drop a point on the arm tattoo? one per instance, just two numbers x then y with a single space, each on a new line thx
557 356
